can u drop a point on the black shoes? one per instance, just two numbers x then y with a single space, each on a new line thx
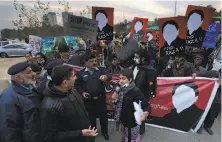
209 131
106 136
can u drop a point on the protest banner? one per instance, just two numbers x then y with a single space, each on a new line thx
80 26
105 18
48 44
172 35
179 103
211 35
71 40
35 42
138 30
198 20
151 33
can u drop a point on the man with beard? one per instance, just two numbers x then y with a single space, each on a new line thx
19 106
63 115
179 67
145 77
89 83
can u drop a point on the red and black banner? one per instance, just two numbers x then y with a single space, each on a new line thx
180 103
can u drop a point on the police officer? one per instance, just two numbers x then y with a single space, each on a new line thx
89 83
19 106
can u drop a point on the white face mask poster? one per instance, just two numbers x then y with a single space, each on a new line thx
172 36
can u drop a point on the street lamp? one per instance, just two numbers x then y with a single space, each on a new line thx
175 10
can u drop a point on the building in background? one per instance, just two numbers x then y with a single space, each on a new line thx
50 19
65 17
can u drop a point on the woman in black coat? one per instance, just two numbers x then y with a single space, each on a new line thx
124 114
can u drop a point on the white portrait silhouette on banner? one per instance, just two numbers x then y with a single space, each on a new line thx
194 22
102 20
138 26
149 36
183 98
170 33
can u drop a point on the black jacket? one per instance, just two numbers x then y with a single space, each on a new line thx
186 69
127 113
146 81
91 84
63 116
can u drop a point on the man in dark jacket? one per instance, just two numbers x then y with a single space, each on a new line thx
19 107
63 115
90 85
145 77
179 67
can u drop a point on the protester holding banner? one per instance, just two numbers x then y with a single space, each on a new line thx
179 67
89 84
124 113
200 71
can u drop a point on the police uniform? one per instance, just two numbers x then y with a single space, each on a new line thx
89 82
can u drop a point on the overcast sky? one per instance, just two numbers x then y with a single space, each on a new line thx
139 8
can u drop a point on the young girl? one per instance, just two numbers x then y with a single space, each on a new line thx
124 114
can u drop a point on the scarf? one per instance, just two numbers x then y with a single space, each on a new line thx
123 91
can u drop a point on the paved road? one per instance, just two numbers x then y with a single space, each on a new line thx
161 135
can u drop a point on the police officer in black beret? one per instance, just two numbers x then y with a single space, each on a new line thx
19 106
47 76
89 83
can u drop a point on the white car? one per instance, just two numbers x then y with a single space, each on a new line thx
217 63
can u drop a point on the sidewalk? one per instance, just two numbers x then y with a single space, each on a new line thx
160 135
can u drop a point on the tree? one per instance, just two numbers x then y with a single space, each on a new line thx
87 12
34 21
155 21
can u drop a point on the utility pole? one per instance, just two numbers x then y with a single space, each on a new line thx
175 10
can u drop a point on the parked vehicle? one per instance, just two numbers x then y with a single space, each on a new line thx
215 61
13 50
3 43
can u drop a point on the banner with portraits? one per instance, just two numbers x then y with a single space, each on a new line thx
151 39
105 18
138 30
180 103
82 27
212 35
172 35
198 20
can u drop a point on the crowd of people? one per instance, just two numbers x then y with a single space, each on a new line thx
48 101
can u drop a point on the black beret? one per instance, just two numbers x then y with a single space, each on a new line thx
89 56
63 48
14 69
198 56
52 64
